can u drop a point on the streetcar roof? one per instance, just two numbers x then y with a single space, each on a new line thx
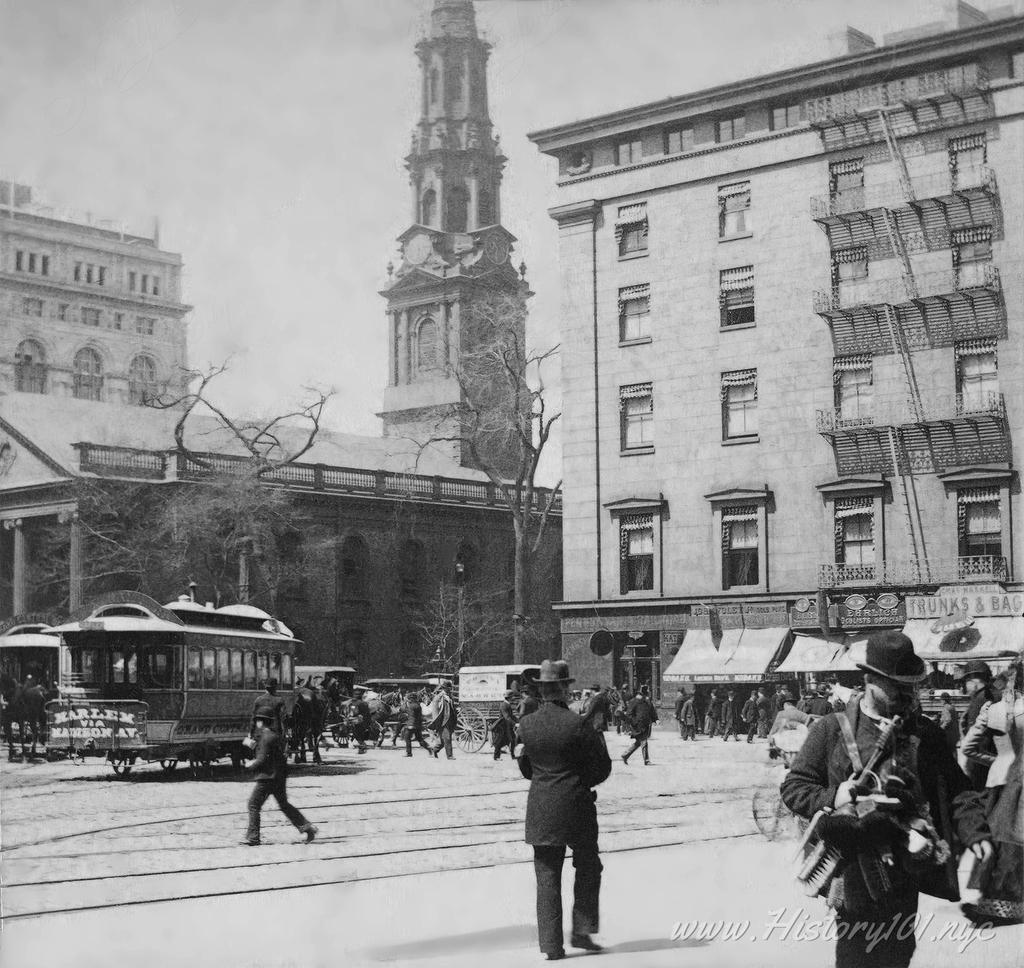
29 640
500 669
117 623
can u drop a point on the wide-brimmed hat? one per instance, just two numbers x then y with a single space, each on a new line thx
269 682
976 670
554 670
891 655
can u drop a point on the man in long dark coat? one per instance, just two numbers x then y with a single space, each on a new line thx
598 711
504 732
642 716
564 759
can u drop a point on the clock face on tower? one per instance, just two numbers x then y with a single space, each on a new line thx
496 249
418 249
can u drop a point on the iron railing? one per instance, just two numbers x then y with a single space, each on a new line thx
875 292
879 413
953 81
922 572
892 194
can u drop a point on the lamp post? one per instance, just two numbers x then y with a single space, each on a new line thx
460 586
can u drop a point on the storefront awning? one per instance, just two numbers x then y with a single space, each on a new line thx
811 653
698 660
984 637
756 649
847 657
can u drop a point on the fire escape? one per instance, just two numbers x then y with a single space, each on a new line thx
902 314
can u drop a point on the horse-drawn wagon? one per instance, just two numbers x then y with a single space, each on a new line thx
481 690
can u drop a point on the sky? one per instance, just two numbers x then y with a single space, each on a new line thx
268 136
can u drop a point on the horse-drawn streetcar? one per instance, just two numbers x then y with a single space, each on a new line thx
165 683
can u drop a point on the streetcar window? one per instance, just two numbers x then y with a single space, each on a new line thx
85 666
275 667
236 669
209 669
286 671
263 665
250 671
158 667
223 669
195 669
124 667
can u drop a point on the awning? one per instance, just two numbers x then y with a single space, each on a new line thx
698 660
986 637
757 648
847 658
811 653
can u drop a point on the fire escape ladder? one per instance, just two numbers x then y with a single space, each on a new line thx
897 156
901 482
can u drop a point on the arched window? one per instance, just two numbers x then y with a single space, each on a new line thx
427 346
428 207
30 367
88 375
458 208
412 569
142 380
466 564
354 555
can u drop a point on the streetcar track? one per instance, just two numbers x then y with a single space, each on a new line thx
606 827
350 880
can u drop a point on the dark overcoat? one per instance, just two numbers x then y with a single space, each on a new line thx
598 713
563 758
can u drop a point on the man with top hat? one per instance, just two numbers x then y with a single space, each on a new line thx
563 758
271 768
977 683
269 704
504 732
919 785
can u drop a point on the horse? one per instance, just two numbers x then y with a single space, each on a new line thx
24 705
307 724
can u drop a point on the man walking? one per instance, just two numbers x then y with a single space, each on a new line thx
763 709
446 719
689 719
599 710
504 732
359 714
271 769
680 702
750 715
563 759
714 713
642 717
412 722
919 772
730 714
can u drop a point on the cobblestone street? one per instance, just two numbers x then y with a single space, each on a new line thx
418 861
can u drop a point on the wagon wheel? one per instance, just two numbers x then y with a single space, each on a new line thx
168 765
471 730
773 817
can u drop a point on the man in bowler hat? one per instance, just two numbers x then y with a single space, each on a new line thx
563 758
919 764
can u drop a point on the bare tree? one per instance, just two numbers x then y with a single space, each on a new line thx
457 624
503 425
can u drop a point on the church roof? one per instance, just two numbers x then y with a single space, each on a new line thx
53 425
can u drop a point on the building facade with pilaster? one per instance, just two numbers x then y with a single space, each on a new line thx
792 363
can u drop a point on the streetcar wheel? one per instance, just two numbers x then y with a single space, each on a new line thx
168 765
121 767
471 730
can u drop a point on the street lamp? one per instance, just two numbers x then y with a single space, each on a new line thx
460 587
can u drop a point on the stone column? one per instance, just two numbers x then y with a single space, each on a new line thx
473 221
20 597
392 348
243 577
403 346
453 337
75 564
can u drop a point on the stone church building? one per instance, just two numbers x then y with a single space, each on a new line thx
92 325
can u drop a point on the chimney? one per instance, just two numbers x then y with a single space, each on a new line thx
849 41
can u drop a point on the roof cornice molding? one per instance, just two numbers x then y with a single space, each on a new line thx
831 74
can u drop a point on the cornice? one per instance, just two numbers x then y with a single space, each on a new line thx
575 213
18 281
804 81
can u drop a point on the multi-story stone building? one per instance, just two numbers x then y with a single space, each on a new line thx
792 368
87 310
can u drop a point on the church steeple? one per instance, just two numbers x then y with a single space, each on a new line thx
455 254
455 163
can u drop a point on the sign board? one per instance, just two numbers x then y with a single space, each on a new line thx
484 686
852 612
738 616
97 725
967 602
